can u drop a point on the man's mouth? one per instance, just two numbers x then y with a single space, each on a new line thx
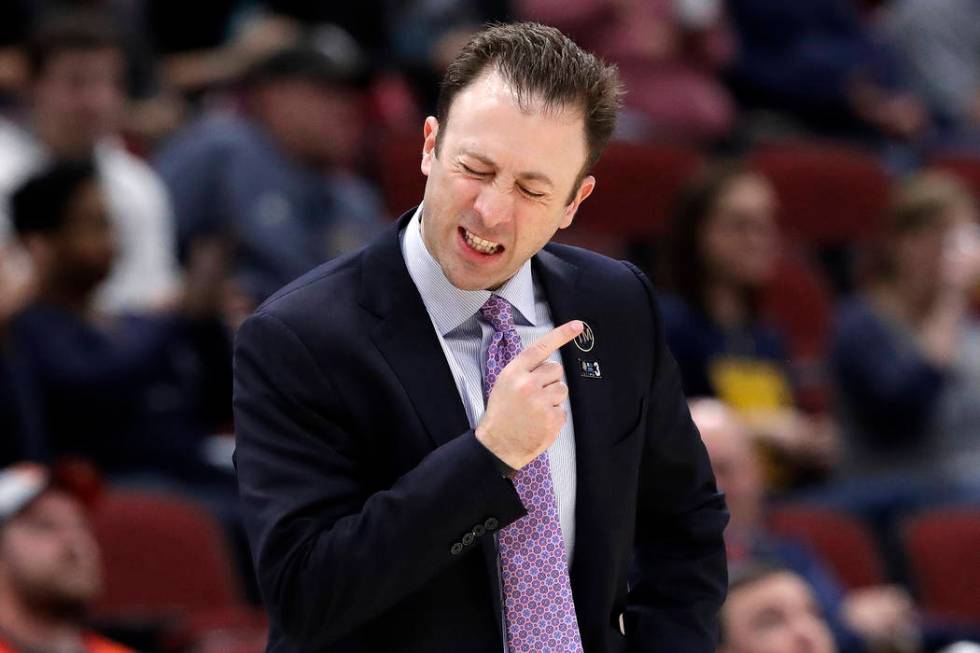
481 245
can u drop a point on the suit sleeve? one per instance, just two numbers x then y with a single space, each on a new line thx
679 578
330 554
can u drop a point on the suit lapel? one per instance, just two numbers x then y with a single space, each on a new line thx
570 298
406 338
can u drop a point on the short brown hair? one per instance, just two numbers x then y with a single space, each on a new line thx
66 31
540 63
921 200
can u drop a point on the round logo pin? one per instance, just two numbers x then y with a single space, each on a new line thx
585 341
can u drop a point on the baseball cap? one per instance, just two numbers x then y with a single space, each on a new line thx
22 483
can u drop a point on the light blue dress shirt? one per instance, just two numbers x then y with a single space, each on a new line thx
465 337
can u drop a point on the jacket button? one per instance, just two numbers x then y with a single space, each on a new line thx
456 549
468 539
479 530
491 524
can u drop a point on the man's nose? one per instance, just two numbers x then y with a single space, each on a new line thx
494 205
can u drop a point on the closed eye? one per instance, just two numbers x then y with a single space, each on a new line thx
475 173
531 193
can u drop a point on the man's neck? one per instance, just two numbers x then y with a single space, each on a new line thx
59 144
74 301
31 630
725 305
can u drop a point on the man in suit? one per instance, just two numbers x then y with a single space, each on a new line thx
426 462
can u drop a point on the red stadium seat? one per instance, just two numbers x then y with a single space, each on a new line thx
402 182
841 540
829 195
799 303
964 166
162 556
943 549
636 187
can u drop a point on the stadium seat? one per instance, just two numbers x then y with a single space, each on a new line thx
943 550
841 540
829 195
964 166
402 182
800 304
162 555
636 187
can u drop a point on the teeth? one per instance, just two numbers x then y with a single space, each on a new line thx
479 244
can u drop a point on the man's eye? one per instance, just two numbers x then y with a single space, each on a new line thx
476 173
531 193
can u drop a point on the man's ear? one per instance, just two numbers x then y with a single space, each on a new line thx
585 188
429 131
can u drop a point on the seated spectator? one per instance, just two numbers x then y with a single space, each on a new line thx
276 178
940 44
772 610
134 394
77 77
861 619
818 63
906 350
723 252
50 572
669 52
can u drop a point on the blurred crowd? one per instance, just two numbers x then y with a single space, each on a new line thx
166 166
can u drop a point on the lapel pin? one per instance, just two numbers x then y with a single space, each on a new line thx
589 369
585 341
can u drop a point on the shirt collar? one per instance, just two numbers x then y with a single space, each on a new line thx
448 305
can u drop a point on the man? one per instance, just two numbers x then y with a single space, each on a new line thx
50 571
862 619
388 507
77 99
772 610
276 177
135 393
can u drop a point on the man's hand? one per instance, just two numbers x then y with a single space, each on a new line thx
524 413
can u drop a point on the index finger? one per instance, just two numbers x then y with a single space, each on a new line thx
539 352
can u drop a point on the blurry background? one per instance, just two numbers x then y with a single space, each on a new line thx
800 180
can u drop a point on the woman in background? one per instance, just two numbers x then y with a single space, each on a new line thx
723 254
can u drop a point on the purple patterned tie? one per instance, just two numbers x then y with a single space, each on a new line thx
538 602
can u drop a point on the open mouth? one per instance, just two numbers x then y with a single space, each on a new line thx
480 245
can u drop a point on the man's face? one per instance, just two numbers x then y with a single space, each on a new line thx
49 557
776 614
320 125
499 187
79 96
734 463
739 240
85 247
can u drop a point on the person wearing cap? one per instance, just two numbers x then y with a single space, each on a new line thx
50 571
276 177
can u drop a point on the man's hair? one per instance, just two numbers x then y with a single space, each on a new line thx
745 574
41 204
66 31
540 64
306 63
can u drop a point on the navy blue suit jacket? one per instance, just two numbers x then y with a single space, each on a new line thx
370 505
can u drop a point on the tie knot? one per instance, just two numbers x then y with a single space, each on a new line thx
498 313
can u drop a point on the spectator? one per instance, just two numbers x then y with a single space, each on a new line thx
77 66
277 177
723 253
50 572
669 52
870 617
772 610
940 41
134 394
816 62
906 350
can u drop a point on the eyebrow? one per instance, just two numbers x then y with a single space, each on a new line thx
529 175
